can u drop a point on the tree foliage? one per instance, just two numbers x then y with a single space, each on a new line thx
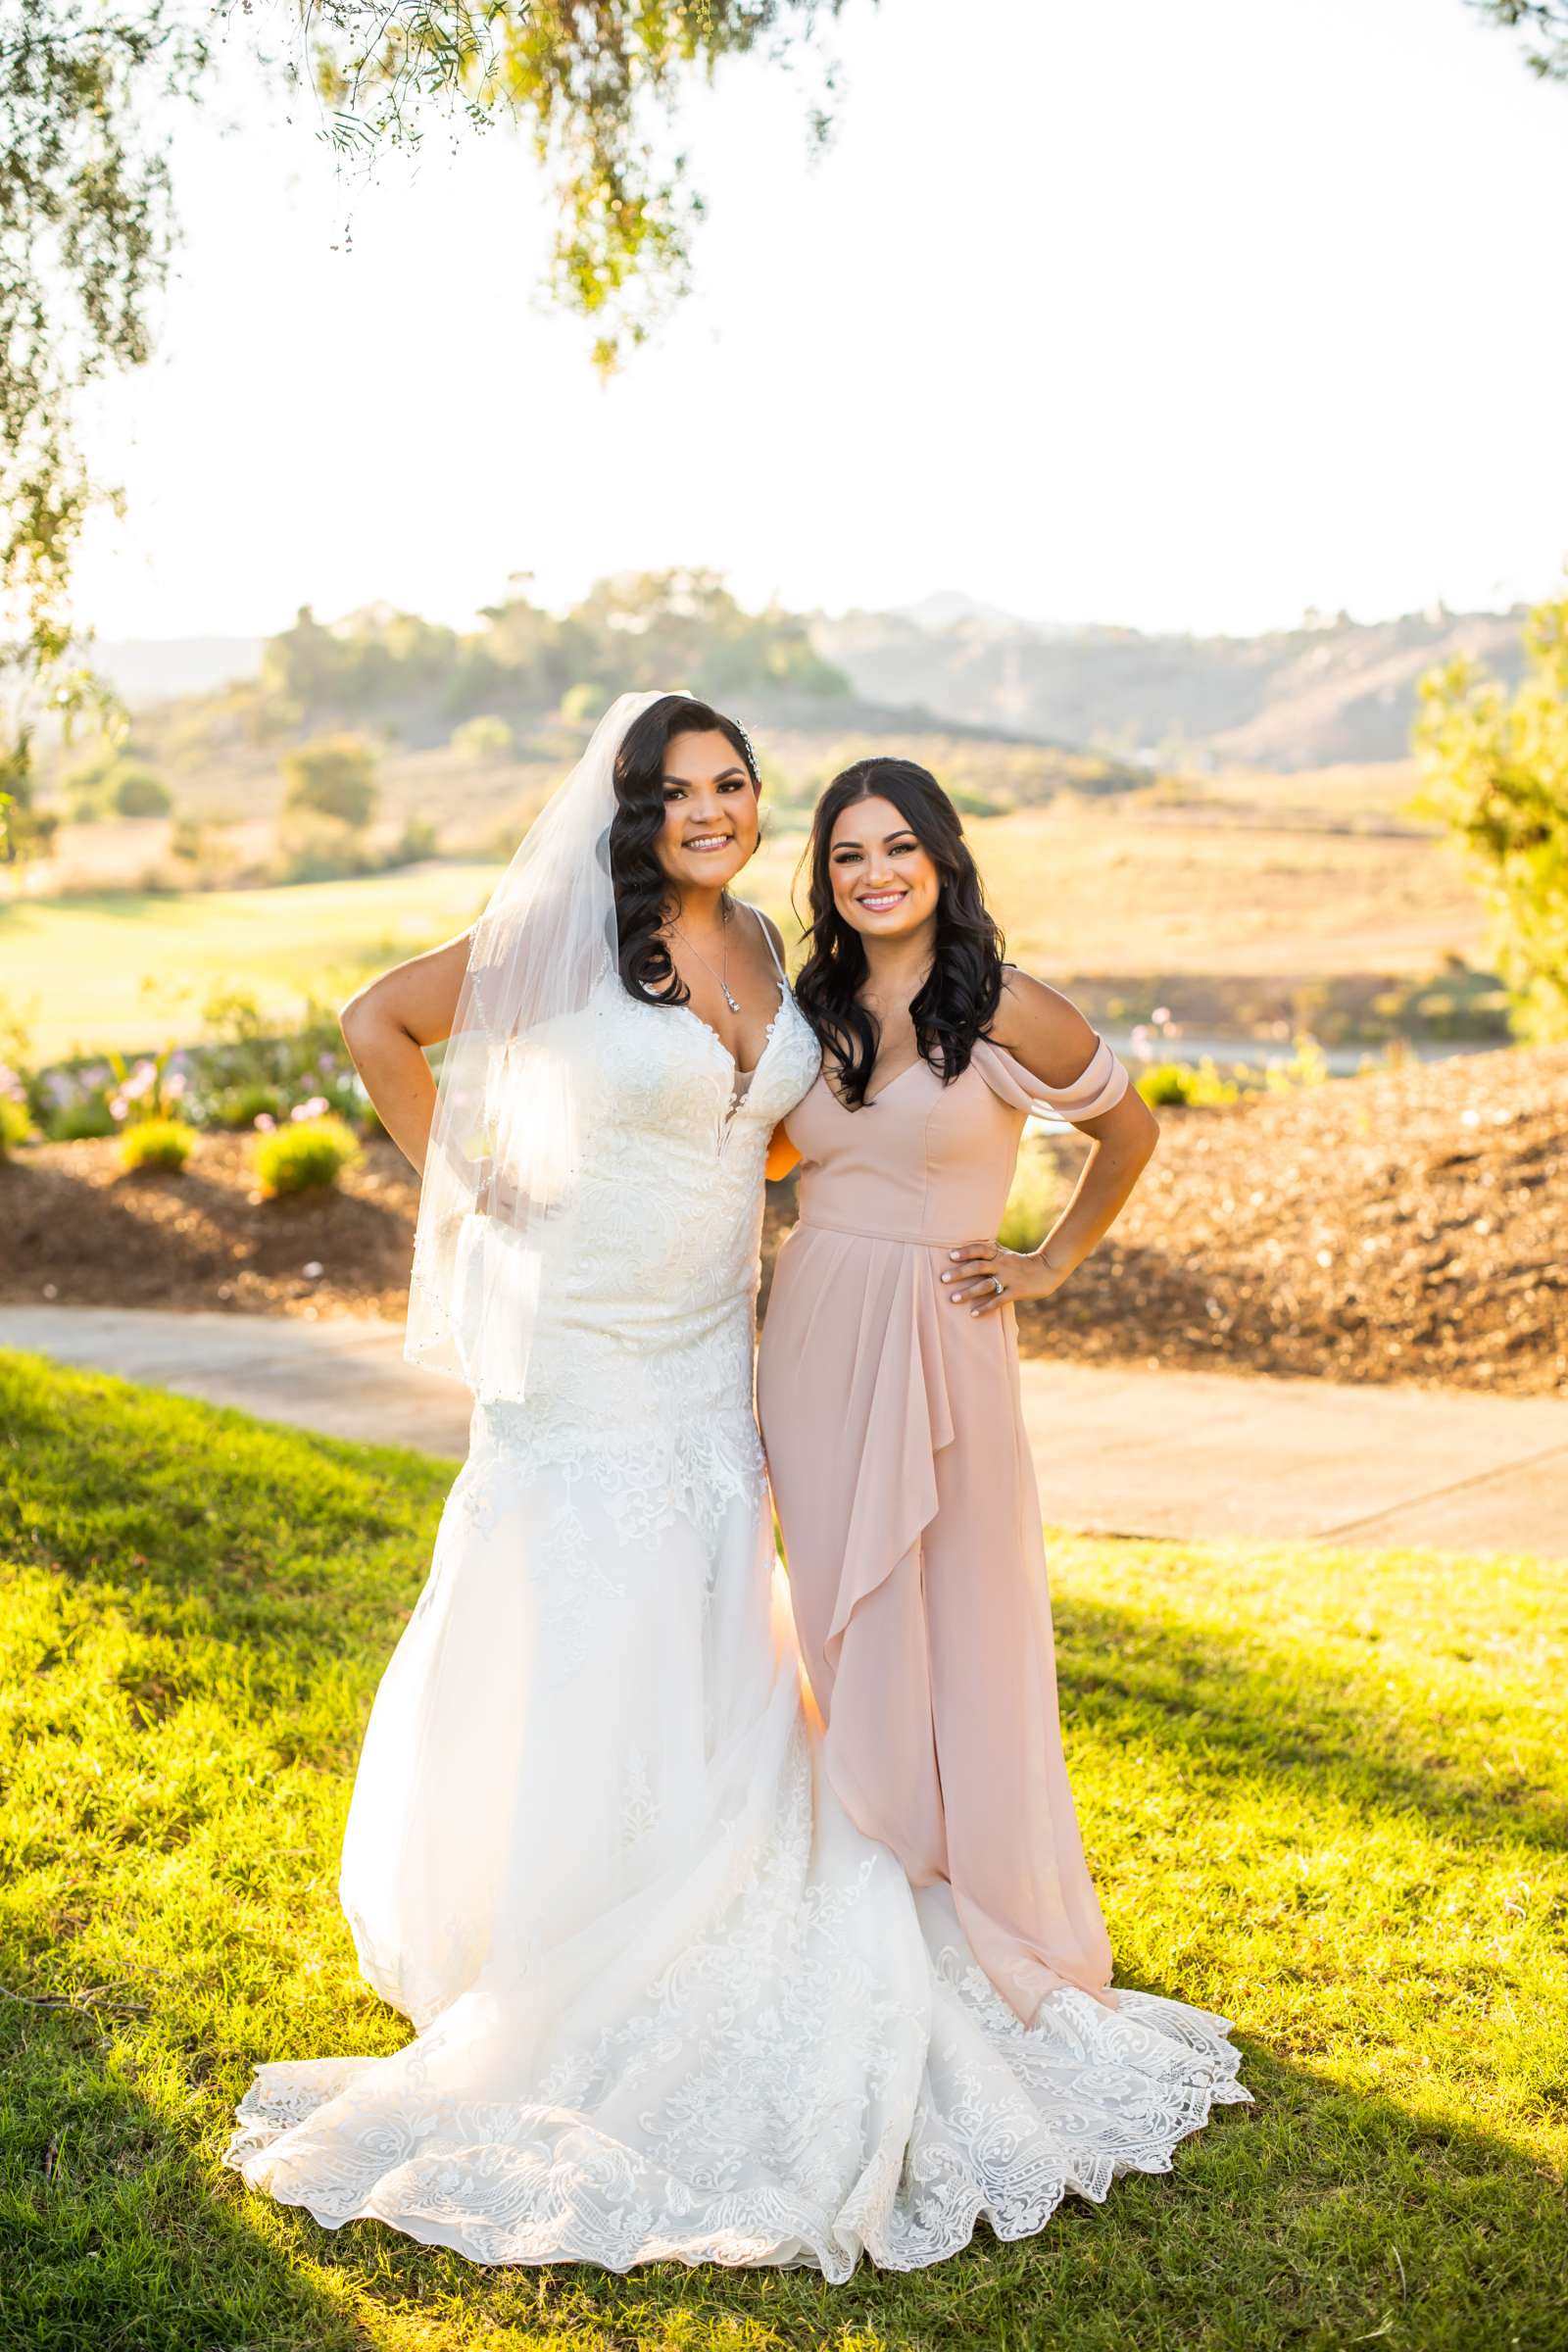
86 215
333 776
85 234
1544 25
1496 774
639 629
598 81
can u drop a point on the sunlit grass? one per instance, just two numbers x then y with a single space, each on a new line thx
133 970
1323 1793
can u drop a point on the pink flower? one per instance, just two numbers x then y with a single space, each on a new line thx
312 1110
265 1122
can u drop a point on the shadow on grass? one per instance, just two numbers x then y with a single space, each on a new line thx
1320 2218
1208 1700
1219 1700
1324 2216
116 2233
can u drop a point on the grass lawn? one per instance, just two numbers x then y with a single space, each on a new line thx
132 971
1324 1794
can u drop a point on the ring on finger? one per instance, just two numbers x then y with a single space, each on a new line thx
999 1286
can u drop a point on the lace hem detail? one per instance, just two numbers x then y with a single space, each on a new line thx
542 2184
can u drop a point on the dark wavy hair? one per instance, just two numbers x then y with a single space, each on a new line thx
644 898
958 1000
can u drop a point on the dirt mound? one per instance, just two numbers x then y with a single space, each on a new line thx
1405 1226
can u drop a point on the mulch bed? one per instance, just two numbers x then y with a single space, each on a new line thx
1406 1226
1409 1225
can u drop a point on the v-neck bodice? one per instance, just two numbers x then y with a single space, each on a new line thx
927 1162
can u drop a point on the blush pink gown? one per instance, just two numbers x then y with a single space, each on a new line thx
910 1519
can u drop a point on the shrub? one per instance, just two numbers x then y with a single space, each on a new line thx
154 1090
157 1144
1179 1082
306 1155
139 793
1496 769
484 738
583 702
1307 1066
332 776
243 1105
969 801
15 1124
82 1121
1032 1202
418 840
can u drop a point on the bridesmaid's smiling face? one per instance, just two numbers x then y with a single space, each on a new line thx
885 882
710 817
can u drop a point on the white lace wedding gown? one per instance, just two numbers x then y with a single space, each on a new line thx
668 2001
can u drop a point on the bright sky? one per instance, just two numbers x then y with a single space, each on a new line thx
1176 317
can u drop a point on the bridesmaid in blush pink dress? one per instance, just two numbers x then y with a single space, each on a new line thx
888 1380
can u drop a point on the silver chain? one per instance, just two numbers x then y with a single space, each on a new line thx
723 977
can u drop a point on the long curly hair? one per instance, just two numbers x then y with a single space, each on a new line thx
643 897
958 998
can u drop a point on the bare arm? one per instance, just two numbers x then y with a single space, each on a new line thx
386 1028
1050 1036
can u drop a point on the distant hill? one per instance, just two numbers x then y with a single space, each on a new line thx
1327 692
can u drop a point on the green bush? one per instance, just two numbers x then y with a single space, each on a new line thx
1179 1082
484 738
582 703
418 840
332 776
1308 1066
139 793
1495 768
1032 1202
82 1121
303 1156
243 1105
157 1144
15 1124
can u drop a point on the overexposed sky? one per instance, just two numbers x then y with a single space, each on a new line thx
1176 317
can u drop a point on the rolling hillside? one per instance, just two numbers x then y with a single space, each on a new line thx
1304 698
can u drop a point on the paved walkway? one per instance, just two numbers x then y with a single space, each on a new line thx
1119 1453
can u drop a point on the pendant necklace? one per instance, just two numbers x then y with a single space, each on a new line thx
723 977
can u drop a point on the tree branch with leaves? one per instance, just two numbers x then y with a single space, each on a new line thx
85 225
1496 773
1544 25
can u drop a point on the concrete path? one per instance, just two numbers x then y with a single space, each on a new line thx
1118 1453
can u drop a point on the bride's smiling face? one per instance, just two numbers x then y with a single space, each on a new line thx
710 818
885 881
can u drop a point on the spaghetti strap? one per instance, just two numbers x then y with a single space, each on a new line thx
766 929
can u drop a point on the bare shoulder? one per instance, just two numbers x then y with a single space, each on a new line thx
1041 1028
767 925
420 997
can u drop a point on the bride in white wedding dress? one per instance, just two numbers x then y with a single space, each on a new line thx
668 2002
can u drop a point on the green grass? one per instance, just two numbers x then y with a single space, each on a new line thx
1323 1793
131 970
